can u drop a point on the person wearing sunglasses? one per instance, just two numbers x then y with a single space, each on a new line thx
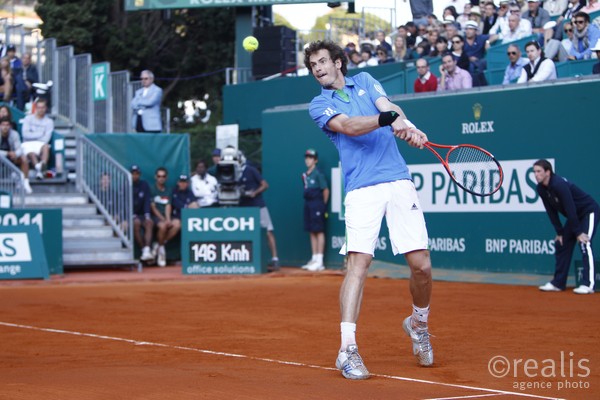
458 53
146 105
515 65
585 35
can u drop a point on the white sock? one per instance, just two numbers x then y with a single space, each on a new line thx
318 258
420 314
314 258
348 330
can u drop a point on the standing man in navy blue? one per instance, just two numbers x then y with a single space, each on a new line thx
142 198
316 194
254 185
583 215
356 114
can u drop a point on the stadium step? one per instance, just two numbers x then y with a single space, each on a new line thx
88 240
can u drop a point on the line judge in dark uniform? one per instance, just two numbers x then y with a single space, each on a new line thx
582 216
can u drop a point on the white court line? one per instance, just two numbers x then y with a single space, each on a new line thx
268 360
475 396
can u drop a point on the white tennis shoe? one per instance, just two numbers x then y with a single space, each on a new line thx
351 364
420 340
549 287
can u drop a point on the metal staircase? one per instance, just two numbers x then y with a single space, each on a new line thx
88 240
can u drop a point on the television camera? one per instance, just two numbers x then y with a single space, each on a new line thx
229 173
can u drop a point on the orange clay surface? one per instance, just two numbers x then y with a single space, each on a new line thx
160 335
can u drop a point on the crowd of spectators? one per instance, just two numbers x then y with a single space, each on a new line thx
465 31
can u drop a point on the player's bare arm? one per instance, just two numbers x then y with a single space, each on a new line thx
353 126
412 135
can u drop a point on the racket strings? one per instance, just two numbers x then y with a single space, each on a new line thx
474 169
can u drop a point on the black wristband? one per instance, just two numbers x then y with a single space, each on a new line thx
387 117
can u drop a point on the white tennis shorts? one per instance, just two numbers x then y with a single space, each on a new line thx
399 203
32 146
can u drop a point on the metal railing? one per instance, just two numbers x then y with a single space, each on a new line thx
121 96
65 82
83 104
109 187
11 181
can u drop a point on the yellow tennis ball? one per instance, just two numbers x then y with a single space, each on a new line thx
250 43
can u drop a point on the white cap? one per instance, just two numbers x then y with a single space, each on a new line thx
449 19
475 10
597 46
471 24
533 1
549 24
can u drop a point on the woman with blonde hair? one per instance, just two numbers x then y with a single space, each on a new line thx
401 51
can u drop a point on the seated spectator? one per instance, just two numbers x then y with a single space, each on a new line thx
354 59
539 67
380 36
475 16
572 7
37 132
489 17
450 28
182 197
536 15
450 11
382 56
501 27
6 80
367 59
30 76
426 81
204 186
464 17
422 49
452 77
6 112
567 42
401 51
459 55
592 6
555 7
162 212
515 65
585 35
432 36
476 47
441 47
10 147
142 218
515 30
16 66
596 67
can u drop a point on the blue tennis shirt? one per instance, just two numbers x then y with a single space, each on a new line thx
368 159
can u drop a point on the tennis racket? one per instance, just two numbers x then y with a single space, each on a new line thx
472 168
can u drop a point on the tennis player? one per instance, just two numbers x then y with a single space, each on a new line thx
355 113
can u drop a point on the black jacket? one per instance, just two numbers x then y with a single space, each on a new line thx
562 196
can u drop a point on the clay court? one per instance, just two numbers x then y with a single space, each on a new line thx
161 335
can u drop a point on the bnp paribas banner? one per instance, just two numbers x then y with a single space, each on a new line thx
507 232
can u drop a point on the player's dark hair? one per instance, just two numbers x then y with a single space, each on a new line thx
545 165
335 52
